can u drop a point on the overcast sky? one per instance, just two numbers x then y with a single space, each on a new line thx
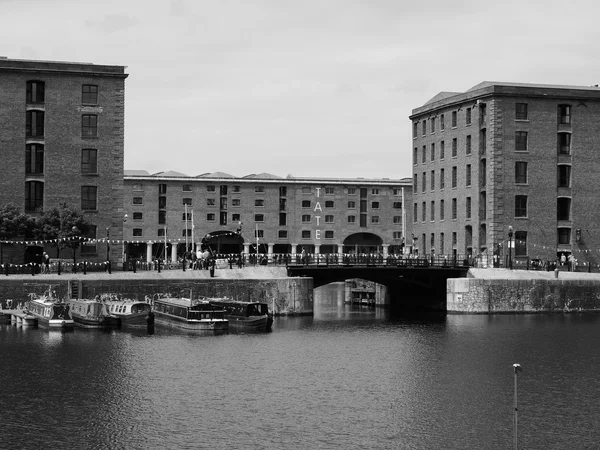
317 88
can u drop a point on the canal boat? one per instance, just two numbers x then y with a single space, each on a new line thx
92 314
131 313
195 316
50 312
247 316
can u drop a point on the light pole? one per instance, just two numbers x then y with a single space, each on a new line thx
510 236
517 368
75 232
107 243
123 254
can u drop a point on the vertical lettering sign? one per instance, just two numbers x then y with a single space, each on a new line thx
318 218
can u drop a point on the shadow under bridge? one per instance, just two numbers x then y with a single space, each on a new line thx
415 288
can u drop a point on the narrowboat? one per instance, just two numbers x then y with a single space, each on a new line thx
92 314
246 316
131 313
50 313
197 316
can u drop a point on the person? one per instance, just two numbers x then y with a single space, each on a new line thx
563 259
46 261
303 257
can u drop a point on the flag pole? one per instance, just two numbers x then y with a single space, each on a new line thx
517 368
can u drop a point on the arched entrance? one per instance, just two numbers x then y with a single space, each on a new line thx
225 242
33 253
358 243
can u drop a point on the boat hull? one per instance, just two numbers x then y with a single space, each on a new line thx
263 323
95 322
200 326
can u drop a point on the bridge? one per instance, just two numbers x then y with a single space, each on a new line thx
411 283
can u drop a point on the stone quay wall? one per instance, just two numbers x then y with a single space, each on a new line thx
285 296
534 295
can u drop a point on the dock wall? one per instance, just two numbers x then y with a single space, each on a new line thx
496 296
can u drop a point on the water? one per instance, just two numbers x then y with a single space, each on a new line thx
346 378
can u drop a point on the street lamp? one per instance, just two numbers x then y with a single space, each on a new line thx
107 243
75 231
123 254
510 236
517 368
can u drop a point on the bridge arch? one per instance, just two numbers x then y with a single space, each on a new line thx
225 241
358 243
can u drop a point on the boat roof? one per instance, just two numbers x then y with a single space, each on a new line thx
234 302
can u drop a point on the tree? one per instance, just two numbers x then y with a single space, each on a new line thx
13 223
63 226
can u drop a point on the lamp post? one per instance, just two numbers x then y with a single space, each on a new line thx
75 232
517 368
123 242
510 236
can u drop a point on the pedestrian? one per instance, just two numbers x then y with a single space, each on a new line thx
46 261
563 259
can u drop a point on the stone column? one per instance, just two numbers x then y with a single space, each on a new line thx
174 251
294 248
246 248
317 249
270 251
149 252
385 250
340 248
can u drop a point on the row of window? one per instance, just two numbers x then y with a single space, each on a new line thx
224 189
34 125
34 160
442 122
563 113
36 93
34 197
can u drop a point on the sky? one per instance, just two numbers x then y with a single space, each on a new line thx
311 88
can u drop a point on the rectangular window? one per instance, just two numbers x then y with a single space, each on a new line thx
397 219
162 217
351 219
89 125
306 203
236 202
454 239
424 182
442 179
89 94
564 143
34 196
375 191
329 204
138 201
236 217
329 191
454 119
236 189
432 210
282 234
187 201
282 204
259 217
328 234
162 189
210 217
138 232
305 218
223 218
442 150
441 243
89 195
187 188
259 189
468 208
432 121
468 145
351 205
415 182
34 126
282 191
223 190
162 202
454 147
259 202
520 243
259 233
442 125
186 217
564 236
305 234
210 188
564 114
89 161
138 216
432 180
520 206
160 232
374 205
397 205
454 177
468 175
210 202
35 91
520 172
424 155
351 191
423 212
186 233
374 219
329 218
424 124
415 156
34 159
520 141
432 156
454 209
564 176
521 111
282 219
415 210
468 116
397 235
563 208
138 187
442 209
415 128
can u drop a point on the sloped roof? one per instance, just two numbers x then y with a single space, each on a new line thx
215 175
169 173
441 96
130 173
263 176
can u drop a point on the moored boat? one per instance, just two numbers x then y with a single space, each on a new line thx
197 316
91 314
50 313
245 315
131 313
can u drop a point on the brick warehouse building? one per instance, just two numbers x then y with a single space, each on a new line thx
62 141
288 214
506 155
